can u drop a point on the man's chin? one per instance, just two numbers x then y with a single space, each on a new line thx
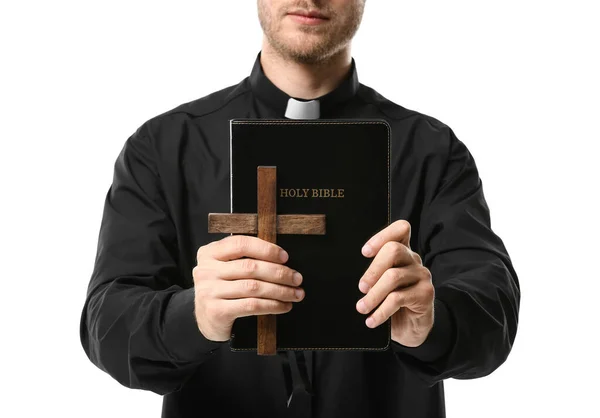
310 54
305 57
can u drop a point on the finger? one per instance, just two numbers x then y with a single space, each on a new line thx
390 281
252 288
256 306
249 268
392 254
417 258
392 304
397 231
238 246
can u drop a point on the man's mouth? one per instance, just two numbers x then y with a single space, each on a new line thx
308 17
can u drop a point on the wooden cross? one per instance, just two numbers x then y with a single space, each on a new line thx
266 224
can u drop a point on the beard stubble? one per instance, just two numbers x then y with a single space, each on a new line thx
310 44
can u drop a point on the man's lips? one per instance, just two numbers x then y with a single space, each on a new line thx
305 17
308 13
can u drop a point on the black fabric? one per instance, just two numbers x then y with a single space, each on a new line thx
138 322
290 384
298 384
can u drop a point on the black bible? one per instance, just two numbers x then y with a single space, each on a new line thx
339 168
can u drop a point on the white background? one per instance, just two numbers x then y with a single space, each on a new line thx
516 80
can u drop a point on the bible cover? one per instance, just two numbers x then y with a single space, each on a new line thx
339 168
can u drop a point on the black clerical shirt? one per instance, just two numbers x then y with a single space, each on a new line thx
138 322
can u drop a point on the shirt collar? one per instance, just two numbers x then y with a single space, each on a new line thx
277 99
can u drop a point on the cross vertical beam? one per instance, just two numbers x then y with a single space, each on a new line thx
267 230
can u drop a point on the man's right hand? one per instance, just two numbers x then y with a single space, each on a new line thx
228 286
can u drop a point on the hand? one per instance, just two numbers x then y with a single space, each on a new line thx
228 286
398 280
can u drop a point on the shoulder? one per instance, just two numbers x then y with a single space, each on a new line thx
210 103
398 114
410 126
198 111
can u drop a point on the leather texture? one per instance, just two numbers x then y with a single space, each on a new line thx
353 155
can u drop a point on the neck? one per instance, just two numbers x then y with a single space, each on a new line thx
305 81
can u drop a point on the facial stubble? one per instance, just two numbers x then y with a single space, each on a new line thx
320 42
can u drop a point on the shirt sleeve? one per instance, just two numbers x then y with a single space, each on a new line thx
138 321
477 291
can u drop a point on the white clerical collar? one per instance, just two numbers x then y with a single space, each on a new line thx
297 109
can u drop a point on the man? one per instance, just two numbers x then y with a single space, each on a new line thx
164 293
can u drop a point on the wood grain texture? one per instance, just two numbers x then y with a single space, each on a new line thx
301 224
247 223
267 230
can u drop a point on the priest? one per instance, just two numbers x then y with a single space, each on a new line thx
164 293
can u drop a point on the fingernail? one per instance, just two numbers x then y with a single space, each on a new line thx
297 278
298 293
363 287
370 321
367 250
361 306
283 255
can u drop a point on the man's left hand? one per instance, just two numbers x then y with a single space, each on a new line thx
398 280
